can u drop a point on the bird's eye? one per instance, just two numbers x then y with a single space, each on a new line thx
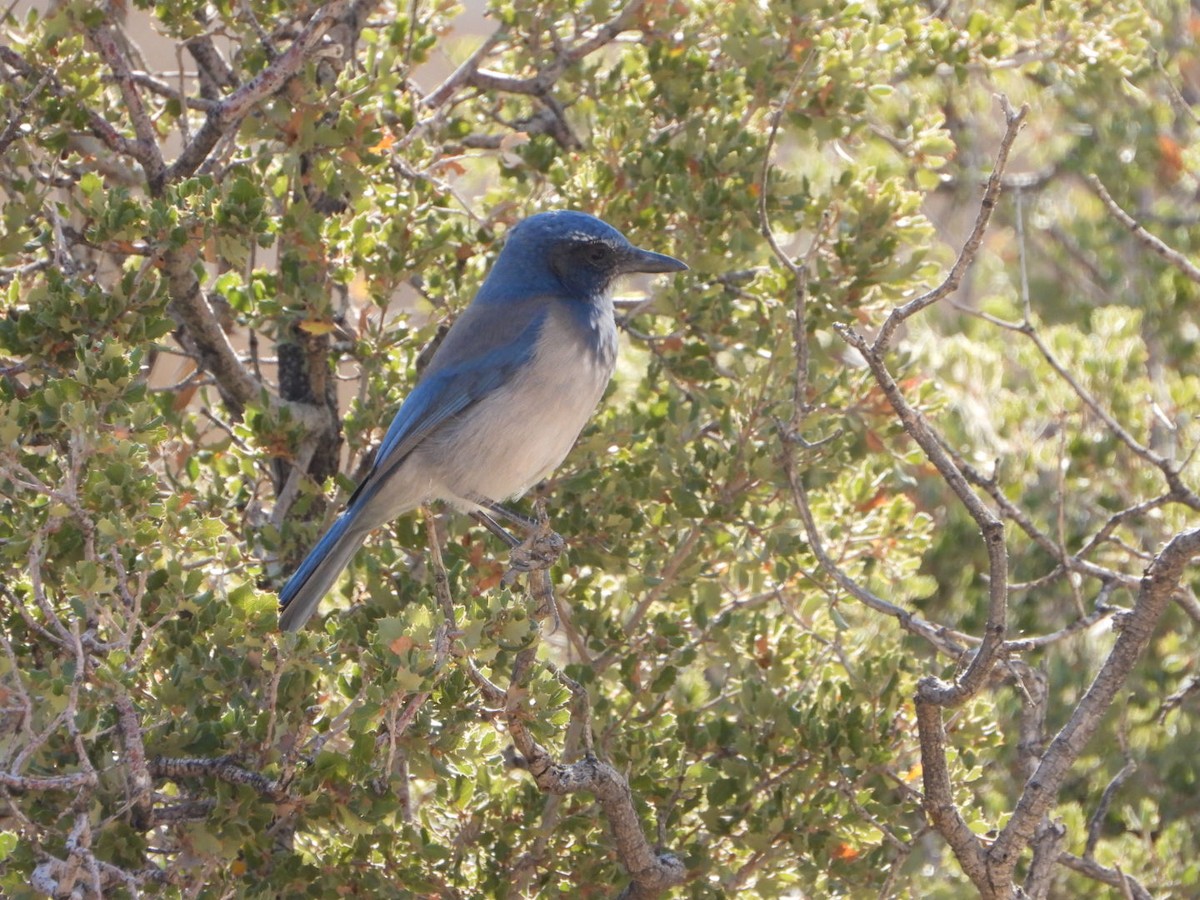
596 253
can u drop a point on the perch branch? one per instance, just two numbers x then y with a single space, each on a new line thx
652 870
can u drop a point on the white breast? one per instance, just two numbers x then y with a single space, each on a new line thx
513 439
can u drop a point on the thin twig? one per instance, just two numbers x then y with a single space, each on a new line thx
1171 473
1156 245
1096 819
990 526
1014 121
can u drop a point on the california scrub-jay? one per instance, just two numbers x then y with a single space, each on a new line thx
505 395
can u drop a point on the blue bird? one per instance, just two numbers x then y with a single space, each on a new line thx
504 397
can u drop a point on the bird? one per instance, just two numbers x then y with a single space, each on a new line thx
505 395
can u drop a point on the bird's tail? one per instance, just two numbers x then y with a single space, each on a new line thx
316 575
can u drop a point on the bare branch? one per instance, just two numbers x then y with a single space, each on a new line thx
224 768
226 115
652 870
139 781
991 527
1190 687
1100 611
215 73
1051 837
1105 875
764 219
541 83
72 782
1146 239
1014 513
150 83
1135 630
945 640
939 791
1014 121
1096 819
799 272
1179 491
145 149
465 72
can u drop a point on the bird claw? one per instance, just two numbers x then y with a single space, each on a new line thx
537 552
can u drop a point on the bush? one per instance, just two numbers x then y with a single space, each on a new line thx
878 550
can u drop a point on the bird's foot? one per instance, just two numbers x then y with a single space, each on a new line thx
533 557
537 552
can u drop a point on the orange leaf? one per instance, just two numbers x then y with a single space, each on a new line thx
401 645
1170 157
844 851
762 648
384 142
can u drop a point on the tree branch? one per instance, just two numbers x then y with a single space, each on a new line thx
1179 491
1014 121
652 870
1156 245
992 528
1047 847
465 72
223 768
1159 584
1105 875
145 149
536 85
207 343
945 640
939 791
139 786
1096 819
97 124
226 115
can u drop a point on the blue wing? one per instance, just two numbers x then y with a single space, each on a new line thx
485 348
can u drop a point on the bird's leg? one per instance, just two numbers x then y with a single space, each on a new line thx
541 547
533 556
495 528
495 510
514 517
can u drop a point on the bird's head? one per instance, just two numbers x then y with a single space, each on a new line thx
570 253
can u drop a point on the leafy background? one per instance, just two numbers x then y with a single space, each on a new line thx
762 715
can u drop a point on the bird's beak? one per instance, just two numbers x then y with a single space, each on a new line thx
651 263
